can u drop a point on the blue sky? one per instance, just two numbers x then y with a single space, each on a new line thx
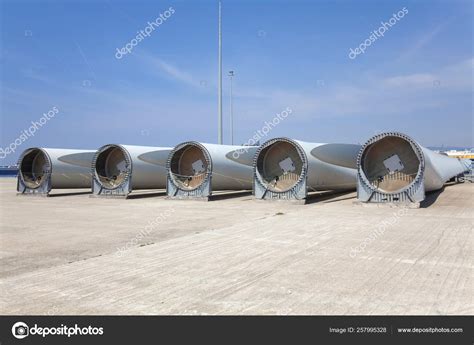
417 78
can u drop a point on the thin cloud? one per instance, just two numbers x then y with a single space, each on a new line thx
424 40
418 79
453 77
171 71
399 94
33 74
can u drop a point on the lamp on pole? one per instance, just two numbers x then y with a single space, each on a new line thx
231 76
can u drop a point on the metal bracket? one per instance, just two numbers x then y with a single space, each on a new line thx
299 191
42 190
122 190
415 193
201 192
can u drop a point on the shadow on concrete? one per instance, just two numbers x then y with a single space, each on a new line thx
431 197
229 195
146 195
68 194
329 196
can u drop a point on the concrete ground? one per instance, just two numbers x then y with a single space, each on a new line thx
72 254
